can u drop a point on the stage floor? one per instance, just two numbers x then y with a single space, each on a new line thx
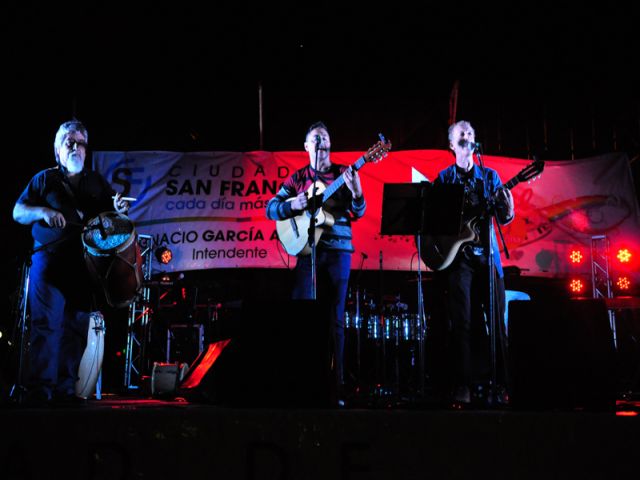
134 437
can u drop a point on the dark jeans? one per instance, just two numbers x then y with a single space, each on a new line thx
466 284
59 312
333 268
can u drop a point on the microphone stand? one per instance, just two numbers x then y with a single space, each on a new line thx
312 225
18 390
421 326
383 326
492 314
358 320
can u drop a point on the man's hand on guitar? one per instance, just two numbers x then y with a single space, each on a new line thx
352 181
300 202
504 202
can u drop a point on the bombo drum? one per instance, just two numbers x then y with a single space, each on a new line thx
91 361
112 256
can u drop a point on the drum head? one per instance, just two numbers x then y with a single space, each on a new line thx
108 233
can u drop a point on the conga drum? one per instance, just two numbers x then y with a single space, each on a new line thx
91 361
112 256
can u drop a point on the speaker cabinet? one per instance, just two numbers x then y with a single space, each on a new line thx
561 354
278 355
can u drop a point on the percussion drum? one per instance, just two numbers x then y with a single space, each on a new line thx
91 361
352 320
112 256
392 325
374 328
409 329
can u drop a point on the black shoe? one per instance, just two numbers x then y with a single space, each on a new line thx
36 399
68 401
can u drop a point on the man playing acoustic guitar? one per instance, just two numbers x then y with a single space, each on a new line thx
290 207
465 281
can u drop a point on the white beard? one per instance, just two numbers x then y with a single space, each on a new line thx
75 164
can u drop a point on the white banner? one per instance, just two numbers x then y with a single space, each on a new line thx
208 207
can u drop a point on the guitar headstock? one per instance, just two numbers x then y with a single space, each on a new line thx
531 172
378 151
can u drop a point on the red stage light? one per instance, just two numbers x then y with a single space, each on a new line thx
576 286
623 283
576 257
626 413
164 255
624 256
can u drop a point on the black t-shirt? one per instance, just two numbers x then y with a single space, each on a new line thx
50 188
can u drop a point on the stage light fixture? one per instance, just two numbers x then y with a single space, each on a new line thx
163 254
624 256
576 286
576 257
623 284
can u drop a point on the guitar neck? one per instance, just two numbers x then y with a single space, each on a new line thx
511 183
527 173
339 182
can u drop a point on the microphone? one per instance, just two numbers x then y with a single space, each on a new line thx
318 139
364 255
473 146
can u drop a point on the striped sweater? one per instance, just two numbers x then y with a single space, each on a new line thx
341 205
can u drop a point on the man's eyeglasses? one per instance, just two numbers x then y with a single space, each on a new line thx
70 144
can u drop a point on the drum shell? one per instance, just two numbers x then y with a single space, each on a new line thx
91 361
116 271
409 327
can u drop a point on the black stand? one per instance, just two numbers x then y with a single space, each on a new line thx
358 320
18 390
382 389
492 314
312 225
421 209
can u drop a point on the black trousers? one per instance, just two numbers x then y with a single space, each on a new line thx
465 286
333 269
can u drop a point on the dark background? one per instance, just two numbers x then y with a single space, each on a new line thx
539 79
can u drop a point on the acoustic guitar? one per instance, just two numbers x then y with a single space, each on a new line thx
438 251
294 232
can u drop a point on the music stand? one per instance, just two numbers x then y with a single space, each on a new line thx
418 209
421 208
